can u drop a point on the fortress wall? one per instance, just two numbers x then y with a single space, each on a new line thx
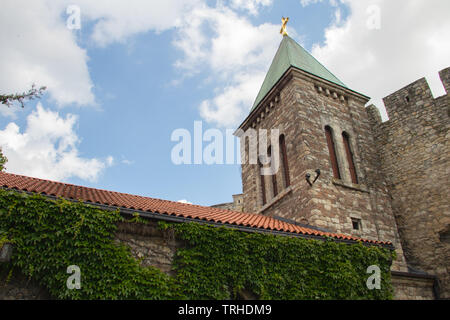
414 150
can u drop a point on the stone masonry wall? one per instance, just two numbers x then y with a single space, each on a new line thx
305 105
414 149
153 247
407 287
236 205
19 287
148 244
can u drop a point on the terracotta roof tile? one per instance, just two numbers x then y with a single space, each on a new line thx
163 207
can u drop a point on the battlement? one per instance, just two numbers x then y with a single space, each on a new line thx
414 153
445 78
414 97
374 114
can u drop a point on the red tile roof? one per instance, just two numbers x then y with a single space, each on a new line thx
162 207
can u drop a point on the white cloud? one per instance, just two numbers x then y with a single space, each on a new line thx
9 111
305 3
109 161
38 48
252 6
233 102
184 201
412 42
126 161
117 20
224 41
376 62
47 148
42 50
235 52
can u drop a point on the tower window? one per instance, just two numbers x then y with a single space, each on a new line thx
263 183
247 151
274 176
332 150
356 224
284 159
351 163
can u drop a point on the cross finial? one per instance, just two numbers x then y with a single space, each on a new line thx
284 21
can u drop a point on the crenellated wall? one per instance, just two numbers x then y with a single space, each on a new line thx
414 151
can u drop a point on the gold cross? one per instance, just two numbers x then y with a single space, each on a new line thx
283 26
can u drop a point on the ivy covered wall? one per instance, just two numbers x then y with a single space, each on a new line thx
214 263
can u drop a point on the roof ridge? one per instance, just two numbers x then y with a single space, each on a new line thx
319 63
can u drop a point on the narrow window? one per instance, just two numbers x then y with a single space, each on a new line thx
284 160
356 223
274 176
247 152
351 163
332 150
263 184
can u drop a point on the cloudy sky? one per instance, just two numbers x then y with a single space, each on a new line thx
137 70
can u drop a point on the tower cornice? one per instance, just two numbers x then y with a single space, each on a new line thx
273 96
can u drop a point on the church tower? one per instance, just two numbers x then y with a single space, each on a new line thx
328 172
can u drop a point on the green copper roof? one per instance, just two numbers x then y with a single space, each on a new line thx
290 53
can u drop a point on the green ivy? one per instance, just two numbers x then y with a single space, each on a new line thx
51 235
216 263
220 262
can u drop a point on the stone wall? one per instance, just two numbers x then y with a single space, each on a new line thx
236 205
300 106
19 287
412 287
148 244
151 246
414 149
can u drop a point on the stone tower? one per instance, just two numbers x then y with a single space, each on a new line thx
323 125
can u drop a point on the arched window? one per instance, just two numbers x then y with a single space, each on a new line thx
274 176
348 151
332 150
284 161
263 183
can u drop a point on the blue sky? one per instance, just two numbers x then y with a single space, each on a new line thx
120 85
